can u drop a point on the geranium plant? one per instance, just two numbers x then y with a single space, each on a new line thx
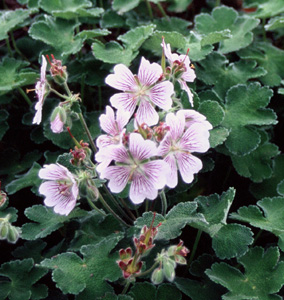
141 150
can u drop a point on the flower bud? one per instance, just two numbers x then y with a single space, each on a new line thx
57 71
157 276
13 234
58 119
3 200
169 268
4 229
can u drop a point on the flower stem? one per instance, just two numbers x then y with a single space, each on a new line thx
263 29
194 246
20 90
108 208
84 124
67 89
128 210
147 271
164 202
17 49
162 10
100 97
92 205
58 94
218 2
149 9
9 47
257 236
126 287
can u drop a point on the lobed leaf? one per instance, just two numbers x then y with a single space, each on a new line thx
267 9
245 106
253 283
86 277
22 276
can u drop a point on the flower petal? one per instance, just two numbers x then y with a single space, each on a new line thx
124 101
55 172
192 116
172 178
148 74
57 125
122 79
176 124
184 86
160 94
141 149
188 165
146 113
118 177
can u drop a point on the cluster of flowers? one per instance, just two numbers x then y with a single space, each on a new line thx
131 263
150 157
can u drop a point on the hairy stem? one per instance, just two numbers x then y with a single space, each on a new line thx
194 248
20 90
149 9
164 202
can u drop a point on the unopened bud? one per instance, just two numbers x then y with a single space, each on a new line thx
57 71
157 276
169 268
13 234
58 119
4 229
3 200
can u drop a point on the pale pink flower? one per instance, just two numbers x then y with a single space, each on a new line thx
40 90
134 166
57 125
144 90
192 116
60 190
178 144
114 127
182 64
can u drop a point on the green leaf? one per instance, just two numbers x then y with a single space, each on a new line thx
29 179
91 34
10 19
214 70
93 229
257 165
222 22
280 188
253 283
46 221
270 58
113 53
197 52
13 74
12 211
268 187
111 296
177 218
22 276
111 19
213 112
31 249
67 9
85 277
267 9
269 219
134 38
244 107
275 23
197 290
218 136
172 24
121 6
179 6
228 240
57 33
11 162
177 41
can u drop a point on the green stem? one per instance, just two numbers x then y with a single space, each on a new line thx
92 205
164 202
149 9
194 246
218 3
107 207
126 287
147 271
16 48
257 236
127 208
67 89
58 94
101 3
146 205
82 88
93 146
263 29
162 10
20 90
9 47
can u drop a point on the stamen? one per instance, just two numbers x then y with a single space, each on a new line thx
48 59
29 90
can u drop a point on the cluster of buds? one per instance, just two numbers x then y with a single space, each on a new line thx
8 231
80 153
57 71
160 131
168 261
131 264
3 199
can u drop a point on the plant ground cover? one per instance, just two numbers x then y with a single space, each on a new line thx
141 149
